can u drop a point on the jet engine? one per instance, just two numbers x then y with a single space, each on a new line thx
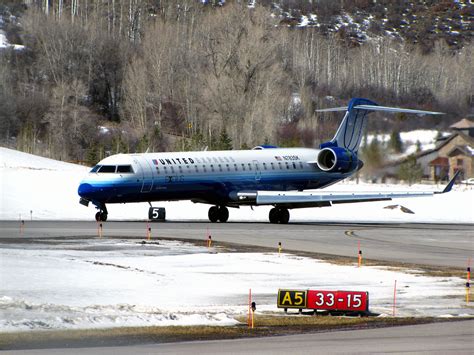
336 159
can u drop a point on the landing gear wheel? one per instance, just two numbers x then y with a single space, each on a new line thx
284 216
273 216
223 214
213 214
101 216
279 215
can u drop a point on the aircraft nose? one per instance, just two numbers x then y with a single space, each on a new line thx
85 190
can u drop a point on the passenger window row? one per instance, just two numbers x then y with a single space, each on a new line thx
227 167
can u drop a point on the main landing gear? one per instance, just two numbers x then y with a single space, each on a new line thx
218 213
279 215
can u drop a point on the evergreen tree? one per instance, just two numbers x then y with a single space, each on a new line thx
395 142
418 146
410 171
225 142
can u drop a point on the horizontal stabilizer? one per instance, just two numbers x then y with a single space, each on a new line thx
381 108
395 109
334 109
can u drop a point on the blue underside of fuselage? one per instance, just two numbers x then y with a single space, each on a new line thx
214 189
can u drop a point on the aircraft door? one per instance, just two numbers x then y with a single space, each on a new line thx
258 172
147 174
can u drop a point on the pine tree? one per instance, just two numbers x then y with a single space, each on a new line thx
396 142
410 171
225 142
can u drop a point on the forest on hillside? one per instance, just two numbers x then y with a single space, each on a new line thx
102 77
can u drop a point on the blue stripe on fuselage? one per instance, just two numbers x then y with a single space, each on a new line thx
211 187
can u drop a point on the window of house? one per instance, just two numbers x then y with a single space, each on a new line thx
459 162
273 166
243 166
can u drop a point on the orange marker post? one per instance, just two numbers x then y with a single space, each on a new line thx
22 227
359 263
209 241
254 307
468 288
279 248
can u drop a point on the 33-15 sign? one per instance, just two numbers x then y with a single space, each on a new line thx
338 300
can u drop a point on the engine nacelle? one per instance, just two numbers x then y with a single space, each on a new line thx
336 159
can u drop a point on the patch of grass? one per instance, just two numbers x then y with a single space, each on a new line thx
265 325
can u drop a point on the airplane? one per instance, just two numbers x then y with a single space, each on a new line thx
264 175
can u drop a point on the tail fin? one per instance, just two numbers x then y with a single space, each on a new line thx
350 131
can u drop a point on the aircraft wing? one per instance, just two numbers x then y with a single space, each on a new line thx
295 199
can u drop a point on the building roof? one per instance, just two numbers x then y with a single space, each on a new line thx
464 149
439 161
463 124
440 145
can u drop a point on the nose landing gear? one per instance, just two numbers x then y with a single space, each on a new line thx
218 213
100 216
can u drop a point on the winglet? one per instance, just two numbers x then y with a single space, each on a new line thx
450 184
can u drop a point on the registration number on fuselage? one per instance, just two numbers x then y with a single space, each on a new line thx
290 157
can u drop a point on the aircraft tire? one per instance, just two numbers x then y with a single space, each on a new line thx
223 214
101 216
273 216
284 216
213 214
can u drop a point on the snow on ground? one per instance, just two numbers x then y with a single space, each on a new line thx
426 137
5 44
48 188
97 283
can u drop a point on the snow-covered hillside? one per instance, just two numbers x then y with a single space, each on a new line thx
48 188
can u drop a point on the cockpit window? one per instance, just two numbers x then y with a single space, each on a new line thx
124 169
107 169
95 168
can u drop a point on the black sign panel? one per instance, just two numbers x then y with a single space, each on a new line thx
292 298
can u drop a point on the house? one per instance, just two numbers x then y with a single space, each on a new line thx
452 153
